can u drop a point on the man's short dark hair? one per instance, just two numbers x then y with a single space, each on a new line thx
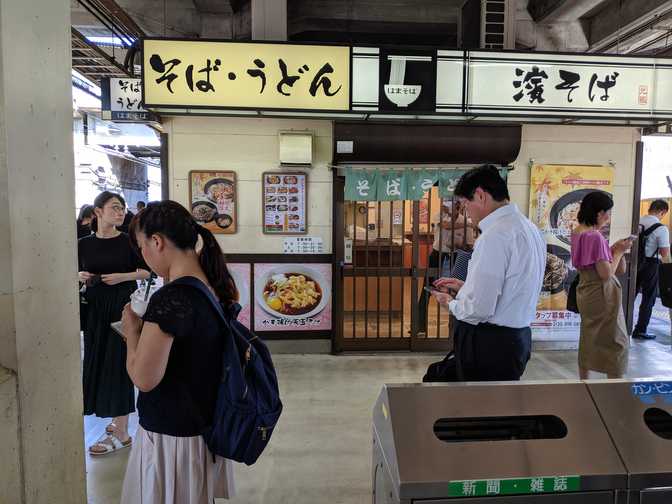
486 177
659 206
140 204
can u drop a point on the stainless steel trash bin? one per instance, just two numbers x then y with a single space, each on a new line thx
494 443
638 416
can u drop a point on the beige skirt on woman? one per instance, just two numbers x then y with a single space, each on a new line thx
604 342
165 469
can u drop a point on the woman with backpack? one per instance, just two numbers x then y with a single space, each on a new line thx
174 358
603 344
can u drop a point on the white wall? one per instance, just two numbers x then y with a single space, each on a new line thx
249 146
580 145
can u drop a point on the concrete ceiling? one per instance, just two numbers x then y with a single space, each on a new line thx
611 26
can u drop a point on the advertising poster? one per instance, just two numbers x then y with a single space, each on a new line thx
556 192
284 203
241 275
212 200
292 297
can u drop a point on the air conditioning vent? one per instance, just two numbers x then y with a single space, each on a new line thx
296 148
493 19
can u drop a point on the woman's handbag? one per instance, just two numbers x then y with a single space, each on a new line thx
572 304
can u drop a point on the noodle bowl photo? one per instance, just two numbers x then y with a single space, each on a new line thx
565 211
292 291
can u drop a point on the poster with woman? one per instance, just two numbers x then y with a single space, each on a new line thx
556 192
292 297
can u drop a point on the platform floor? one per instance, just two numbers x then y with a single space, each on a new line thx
321 451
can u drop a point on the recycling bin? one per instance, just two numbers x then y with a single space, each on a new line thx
638 417
493 443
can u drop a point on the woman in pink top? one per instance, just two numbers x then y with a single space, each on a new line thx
604 342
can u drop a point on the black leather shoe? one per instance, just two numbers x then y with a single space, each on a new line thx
644 336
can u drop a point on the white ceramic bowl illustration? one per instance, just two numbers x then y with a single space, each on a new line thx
402 99
261 282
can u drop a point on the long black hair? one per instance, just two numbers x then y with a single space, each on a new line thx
175 223
591 206
100 201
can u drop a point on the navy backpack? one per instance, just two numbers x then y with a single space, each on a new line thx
248 401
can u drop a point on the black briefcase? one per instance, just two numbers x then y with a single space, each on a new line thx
665 284
443 371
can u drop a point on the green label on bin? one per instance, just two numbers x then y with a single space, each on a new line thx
484 488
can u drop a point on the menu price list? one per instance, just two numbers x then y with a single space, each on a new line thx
285 203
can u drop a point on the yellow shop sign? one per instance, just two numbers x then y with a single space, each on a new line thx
202 74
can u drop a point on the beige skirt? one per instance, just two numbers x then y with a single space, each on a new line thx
165 469
604 342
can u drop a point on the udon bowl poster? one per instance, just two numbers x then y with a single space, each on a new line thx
556 192
292 297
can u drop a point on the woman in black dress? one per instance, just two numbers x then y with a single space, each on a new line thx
84 219
109 267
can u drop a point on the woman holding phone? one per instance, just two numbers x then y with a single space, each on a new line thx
109 267
603 344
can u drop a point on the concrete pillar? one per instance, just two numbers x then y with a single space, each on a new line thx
269 20
41 433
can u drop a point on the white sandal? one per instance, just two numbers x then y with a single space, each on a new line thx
111 443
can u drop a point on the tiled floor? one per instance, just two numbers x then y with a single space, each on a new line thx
322 448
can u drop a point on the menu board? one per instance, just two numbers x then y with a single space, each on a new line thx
212 200
556 192
284 203
292 297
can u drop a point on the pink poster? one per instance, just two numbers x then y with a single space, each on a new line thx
292 297
241 275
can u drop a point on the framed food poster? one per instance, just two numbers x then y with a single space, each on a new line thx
556 193
241 273
285 203
292 297
212 200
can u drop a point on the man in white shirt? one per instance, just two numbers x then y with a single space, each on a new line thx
497 303
656 239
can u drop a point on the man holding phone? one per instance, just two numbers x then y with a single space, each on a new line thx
497 303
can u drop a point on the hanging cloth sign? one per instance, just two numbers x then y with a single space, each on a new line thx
391 185
361 185
418 182
448 180
396 185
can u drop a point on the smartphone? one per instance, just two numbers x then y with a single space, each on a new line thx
94 280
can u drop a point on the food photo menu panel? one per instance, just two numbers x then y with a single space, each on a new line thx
212 200
292 297
284 203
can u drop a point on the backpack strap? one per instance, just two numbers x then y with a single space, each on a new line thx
235 334
645 236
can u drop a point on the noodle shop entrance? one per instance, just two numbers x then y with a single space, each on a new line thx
391 244
385 270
